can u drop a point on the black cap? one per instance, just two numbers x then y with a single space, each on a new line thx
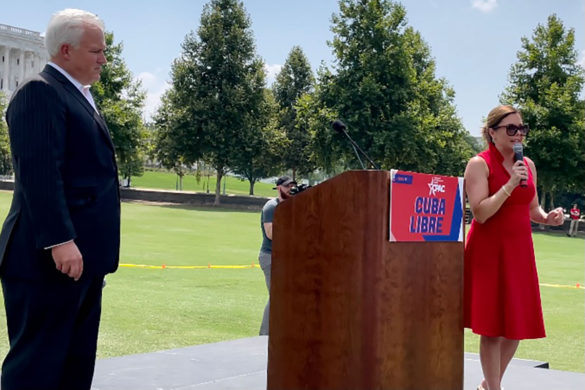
284 181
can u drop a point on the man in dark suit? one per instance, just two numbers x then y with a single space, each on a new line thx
62 233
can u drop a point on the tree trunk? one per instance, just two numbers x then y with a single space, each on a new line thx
294 174
217 200
542 204
252 182
551 202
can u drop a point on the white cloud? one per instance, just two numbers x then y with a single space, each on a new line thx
271 72
485 5
155 87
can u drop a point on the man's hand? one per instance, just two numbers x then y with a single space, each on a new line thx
68 259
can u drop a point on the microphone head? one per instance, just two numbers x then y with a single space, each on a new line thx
518 151
518 147
338 126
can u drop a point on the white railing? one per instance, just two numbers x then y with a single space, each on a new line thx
20 32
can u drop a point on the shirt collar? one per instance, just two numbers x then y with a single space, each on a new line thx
76 83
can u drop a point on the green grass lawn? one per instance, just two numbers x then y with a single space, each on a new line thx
233 185
153 309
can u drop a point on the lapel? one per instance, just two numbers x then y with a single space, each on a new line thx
70 88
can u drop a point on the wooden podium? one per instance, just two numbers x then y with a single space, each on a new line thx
351 310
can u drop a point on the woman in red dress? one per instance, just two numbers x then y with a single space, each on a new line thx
502 297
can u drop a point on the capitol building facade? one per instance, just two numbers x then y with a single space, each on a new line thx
22 54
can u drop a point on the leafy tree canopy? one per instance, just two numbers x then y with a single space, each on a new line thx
219 83
293 81
120 100
383 86
261 154
546 84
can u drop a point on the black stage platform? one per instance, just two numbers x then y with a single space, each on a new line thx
241 364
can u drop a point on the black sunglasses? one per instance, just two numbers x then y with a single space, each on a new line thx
511 130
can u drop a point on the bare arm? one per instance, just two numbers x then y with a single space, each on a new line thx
482 205
268 230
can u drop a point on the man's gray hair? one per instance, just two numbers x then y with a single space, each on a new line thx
67 26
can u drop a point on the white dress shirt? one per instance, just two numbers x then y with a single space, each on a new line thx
84 89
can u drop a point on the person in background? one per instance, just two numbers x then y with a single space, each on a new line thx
575 215
501 291
62 233
283 185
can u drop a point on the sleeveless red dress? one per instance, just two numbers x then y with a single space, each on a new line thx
501 292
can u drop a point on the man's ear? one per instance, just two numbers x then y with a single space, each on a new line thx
65 51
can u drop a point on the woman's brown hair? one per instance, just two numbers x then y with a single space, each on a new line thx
494 118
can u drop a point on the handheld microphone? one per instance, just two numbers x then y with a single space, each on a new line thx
339 126
519 156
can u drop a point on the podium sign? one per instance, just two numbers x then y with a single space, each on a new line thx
425 207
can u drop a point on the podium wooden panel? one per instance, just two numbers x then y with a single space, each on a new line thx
351 310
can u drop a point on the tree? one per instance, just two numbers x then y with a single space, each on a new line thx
5 159
261 155
120 100
384 88
219 81
477 143
169 140
546 83
316 117
293 81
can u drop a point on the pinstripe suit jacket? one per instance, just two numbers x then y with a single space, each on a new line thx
66 181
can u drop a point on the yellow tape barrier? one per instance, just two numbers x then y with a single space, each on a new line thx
253 265
164 266
578 286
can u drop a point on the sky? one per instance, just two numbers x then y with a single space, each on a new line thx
474 42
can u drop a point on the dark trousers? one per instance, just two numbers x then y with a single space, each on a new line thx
52 328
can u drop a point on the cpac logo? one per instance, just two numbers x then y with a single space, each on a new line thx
436 186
